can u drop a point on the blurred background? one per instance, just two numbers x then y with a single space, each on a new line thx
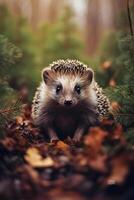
33 33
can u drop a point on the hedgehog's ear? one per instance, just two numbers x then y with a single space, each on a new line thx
89 75
47 75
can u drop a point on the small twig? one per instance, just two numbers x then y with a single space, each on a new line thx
8 110
4 116
129 18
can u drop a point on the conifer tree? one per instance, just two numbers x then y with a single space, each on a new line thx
9 55
17 30
124 93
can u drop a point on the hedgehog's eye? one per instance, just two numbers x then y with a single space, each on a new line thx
78 89
58 88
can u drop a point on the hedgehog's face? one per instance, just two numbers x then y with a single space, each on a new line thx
68 89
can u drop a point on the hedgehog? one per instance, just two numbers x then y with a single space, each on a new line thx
68 101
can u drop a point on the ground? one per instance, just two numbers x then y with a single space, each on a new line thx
100 167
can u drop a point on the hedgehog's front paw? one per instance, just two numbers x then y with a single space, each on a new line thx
77 138
52 135
54 139
78 135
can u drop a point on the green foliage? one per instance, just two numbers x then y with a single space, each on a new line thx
117 48
126 46
62 39
7 22
109 47
23 74
110 52
9 55
124 92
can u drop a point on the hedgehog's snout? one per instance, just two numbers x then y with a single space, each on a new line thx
68 102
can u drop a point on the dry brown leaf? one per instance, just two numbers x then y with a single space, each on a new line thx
62 146
97 158
9 143
107 123
95 138
34 158
119 170
115 106
118 134
19 120
98 163
33 174
82 160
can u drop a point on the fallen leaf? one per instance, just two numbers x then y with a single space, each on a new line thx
119 170
34 158
9 143
62 146
19 120
118 134
95 138
115 106
98 163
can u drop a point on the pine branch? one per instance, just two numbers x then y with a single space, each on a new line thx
8 112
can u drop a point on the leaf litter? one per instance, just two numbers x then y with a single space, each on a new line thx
100 167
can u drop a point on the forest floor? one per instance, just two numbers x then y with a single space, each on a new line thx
100 167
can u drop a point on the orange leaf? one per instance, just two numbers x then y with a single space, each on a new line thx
112 83
118 134
62 146
98 163
95 139
115 106
119 170
107 64
19 120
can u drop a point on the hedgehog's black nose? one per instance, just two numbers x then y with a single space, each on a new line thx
68 102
